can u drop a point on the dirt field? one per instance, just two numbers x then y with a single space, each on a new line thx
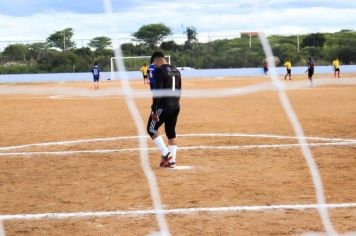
243 166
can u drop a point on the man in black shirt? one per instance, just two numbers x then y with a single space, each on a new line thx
310 70
165 109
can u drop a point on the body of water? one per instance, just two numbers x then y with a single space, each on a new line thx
134 75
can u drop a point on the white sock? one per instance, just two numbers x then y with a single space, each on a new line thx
173 150
161 145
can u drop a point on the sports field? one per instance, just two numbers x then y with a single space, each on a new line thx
244 173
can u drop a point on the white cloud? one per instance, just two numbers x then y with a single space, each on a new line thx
210 17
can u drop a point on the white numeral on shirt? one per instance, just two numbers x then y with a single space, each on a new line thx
173 83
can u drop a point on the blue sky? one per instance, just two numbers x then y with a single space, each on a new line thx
27 7
36 19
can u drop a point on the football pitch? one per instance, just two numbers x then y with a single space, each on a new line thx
70 165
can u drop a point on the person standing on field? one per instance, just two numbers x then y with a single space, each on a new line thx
144 69
165 109
288 65
150 72
96 75
336 65
310 70
265 67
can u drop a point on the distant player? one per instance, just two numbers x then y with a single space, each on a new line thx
265 67
310 70
336 65
165 109
144 69
150 72
288 65
96 75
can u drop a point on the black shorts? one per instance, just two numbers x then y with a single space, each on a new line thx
310 73
96 79
145 76
337 69
169 118
289 71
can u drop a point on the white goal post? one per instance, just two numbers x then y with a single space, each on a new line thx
141 59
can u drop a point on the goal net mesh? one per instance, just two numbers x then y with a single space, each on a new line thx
212 103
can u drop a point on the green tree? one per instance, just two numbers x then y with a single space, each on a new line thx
192 34
347 55
16 52
62 39
170 46
152 34
100 43
37 50
55 61
314 40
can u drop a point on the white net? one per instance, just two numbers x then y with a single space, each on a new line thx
319 190
122 64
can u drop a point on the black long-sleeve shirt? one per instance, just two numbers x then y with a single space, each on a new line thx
167 77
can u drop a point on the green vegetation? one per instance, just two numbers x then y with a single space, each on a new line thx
151 35
60 54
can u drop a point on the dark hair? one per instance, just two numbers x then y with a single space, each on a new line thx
156 55
95 63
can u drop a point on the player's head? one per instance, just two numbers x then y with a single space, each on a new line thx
144 64
158 59
95 64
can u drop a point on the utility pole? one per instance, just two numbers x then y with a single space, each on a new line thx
250 40
298 47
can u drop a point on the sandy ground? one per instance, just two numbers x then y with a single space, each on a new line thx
251 176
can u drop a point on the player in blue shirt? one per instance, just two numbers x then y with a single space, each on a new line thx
150 71
96 75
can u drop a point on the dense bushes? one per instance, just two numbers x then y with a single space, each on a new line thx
226 53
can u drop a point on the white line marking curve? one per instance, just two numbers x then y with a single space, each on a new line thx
92 214
273 136
242 147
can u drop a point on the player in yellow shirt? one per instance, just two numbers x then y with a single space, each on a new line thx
288 65
336 65
144 70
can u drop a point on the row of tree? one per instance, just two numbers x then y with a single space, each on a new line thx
60 54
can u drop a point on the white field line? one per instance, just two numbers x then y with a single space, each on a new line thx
47 144
2 230
214 93
24 98
175 211
70 142
112 96
241 147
